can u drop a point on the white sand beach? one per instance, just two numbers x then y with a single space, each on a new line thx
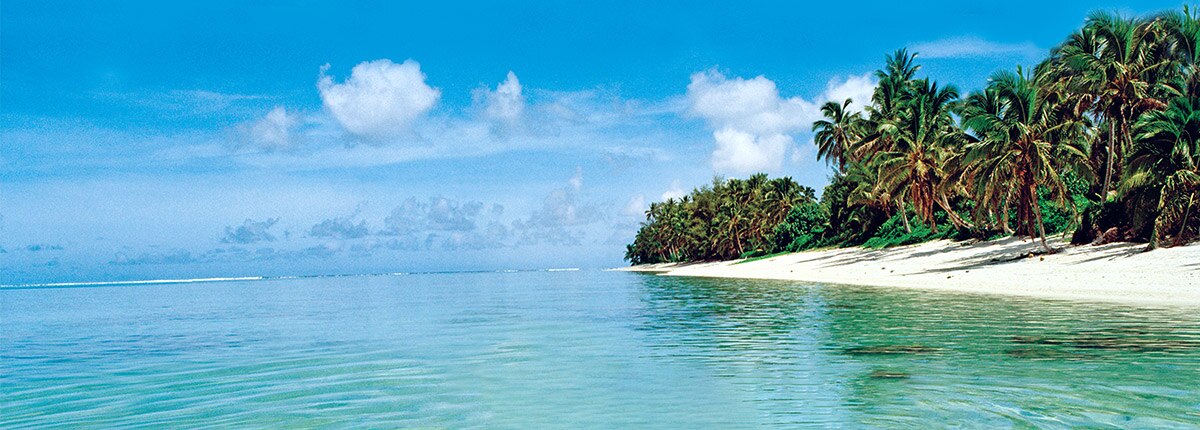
1118 272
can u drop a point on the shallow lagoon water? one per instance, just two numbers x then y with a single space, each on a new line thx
584 349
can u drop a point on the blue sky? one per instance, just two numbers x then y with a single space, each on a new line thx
156 139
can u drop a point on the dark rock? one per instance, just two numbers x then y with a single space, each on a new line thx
884 374
891 350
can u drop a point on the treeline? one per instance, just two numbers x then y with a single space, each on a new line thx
1101 139
717 222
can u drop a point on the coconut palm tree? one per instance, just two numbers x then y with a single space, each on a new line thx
887 101
1166 158
1024 139
835 134
922 137
1115 66
1181 33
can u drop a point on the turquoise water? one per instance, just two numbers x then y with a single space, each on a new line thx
584 349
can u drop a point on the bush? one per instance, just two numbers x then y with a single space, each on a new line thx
802 228
892 232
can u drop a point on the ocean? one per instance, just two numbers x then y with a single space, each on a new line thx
582 349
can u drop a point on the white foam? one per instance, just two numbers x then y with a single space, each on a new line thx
137 282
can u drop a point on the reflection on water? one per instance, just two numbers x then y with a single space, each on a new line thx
585 349
895 358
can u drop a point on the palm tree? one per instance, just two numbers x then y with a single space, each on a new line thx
1024 139
922 136
1166 158
894 89
835 134
1114 64
1181 31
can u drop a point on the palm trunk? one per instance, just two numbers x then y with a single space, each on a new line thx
1112 137
1004 217
958 221
1186 212
904 216
1037 211
1156 234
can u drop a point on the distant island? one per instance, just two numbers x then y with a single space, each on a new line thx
1099 143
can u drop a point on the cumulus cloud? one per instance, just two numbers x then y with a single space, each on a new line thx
750 119
38 247
856 88
562 211
507 117
493 235
753 104
506 103
380 99
273 132
752 124
340 228
250 231
743 152
177 256
674 192
436 213
974 47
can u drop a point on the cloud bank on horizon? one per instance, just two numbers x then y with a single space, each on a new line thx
134 148
386 113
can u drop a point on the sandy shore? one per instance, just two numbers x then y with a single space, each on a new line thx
1117 272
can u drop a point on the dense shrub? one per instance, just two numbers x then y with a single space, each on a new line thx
802 228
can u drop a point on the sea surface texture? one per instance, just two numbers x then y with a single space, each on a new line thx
584 349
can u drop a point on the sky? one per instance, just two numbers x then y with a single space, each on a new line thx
150 140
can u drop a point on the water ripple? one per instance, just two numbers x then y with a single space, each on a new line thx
585 349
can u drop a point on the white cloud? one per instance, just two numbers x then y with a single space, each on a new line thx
274 131
505 103
561 216
675 192
752 124
250 231
438 214
857 88
751 105
974 47
619 129
380 99
739 151
636 206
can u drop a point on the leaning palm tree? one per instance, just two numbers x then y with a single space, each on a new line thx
1166 158
1116 66
1024 140
887 102
835 134
921 137
1181 33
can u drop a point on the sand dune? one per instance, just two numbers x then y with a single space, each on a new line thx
1118 272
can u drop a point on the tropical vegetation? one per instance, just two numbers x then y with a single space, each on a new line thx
1100 141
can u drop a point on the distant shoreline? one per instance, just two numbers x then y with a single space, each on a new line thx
1118 272
136 282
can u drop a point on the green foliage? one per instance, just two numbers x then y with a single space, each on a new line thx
1060 218
802 228
732 218
1102 136
892 233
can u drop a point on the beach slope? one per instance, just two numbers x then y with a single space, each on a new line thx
1118 272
